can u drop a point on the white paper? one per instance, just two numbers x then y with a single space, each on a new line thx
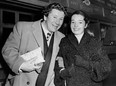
34 53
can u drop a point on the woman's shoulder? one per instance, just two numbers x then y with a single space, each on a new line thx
95 42
64 41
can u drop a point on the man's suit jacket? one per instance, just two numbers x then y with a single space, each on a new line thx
27 36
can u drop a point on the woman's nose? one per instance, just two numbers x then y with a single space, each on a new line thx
76 25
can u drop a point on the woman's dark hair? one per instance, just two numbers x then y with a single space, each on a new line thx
51 6
80 12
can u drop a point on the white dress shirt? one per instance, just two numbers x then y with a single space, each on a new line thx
45 32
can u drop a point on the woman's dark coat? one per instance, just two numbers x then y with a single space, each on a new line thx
86 63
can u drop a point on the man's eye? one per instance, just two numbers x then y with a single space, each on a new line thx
61 19
54 17
80 22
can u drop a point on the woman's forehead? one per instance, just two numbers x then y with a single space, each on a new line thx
77 17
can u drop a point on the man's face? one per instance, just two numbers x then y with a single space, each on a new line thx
54 20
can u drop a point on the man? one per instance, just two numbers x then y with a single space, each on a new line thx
28 36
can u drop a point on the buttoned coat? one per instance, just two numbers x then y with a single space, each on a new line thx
27 36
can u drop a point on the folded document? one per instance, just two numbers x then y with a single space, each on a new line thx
34 53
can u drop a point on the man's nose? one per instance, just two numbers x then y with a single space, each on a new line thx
57 22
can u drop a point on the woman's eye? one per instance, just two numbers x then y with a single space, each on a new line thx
72 22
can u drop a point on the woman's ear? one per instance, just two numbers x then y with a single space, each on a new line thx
87 24
45 18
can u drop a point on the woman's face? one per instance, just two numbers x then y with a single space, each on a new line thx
78 24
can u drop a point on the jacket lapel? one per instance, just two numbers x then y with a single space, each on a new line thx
85 39
37 32
73 41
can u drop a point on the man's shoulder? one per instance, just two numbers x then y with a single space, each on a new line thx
59 34
25 25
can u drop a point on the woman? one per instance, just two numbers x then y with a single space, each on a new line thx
81 59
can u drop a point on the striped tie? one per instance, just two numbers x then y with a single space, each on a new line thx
48 36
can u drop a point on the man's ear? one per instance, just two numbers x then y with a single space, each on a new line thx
86 25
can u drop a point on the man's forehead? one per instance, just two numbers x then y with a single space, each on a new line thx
56 10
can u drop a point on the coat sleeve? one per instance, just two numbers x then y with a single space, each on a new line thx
59 81
10 50
101 64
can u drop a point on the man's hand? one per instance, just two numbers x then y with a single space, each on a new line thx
30 65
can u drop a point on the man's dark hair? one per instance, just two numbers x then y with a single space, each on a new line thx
51 6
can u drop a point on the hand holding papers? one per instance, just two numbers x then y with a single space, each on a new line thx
34 61
32 54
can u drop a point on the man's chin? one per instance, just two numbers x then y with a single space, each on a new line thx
54 30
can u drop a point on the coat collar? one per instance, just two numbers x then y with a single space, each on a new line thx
37 32
85 39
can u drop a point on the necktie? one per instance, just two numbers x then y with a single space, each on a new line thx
41 79
48 36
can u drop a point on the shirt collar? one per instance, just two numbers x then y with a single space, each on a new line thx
45 30
79 37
